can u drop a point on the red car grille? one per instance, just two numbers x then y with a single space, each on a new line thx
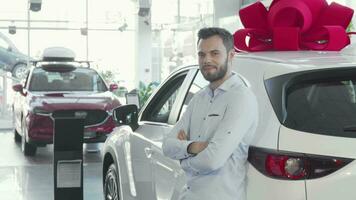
93 117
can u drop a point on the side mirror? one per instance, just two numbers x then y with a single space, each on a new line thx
18 88
113 87
127 115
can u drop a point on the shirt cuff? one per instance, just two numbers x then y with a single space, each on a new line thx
184 146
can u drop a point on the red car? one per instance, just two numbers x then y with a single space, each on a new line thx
52 86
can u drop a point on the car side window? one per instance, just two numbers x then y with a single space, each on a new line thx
198 83
159 108
326 107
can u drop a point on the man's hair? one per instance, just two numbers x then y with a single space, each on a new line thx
224 34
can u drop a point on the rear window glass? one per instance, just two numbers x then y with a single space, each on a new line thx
324 107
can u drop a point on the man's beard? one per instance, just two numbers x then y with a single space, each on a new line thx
219 74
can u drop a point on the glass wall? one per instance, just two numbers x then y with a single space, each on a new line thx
175 25
63 23
104 32
108 39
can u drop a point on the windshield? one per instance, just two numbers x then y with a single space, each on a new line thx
79 79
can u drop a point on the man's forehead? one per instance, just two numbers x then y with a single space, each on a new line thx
213 43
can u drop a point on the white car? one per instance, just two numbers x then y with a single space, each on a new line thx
305 143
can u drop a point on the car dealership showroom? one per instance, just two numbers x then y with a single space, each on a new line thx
131 100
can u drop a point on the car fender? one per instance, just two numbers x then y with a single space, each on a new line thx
115 146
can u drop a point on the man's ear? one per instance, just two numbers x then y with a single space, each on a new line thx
231 54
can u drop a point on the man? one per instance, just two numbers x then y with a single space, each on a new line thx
211 139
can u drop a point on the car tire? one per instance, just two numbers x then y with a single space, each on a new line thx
111 184
17 136
19 71
27 148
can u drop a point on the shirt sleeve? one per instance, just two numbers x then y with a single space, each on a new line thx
174 148
240 118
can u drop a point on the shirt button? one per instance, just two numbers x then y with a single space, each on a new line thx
211 101
204 118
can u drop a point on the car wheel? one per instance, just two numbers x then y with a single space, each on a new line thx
27 148
17 136
111 186
20 71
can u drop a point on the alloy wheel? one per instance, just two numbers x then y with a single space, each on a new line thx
111 189
20 71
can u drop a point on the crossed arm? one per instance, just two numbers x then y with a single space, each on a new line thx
194 147
239 120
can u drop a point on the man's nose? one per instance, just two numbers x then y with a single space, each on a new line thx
207 58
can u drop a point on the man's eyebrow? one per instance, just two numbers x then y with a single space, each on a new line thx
201 52
210 51
215 50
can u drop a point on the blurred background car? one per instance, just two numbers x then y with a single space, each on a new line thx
11 59
67 86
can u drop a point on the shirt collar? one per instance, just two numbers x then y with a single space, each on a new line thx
226 85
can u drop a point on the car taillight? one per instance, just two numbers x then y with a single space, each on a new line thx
293 166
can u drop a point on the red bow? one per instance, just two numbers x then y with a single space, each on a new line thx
291 25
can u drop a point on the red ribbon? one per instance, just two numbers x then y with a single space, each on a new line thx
294 25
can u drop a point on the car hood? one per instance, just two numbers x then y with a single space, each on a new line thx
73 101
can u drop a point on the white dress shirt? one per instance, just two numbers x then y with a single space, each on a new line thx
227 119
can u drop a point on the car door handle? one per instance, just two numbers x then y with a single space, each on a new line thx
148 152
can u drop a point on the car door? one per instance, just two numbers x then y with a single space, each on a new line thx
169 176
19 105
154 177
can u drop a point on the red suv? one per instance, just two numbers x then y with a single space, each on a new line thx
66 86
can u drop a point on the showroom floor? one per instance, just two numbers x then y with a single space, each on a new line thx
31 178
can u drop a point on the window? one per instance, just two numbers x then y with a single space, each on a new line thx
324 107
159 109
3 44
198 83
76 80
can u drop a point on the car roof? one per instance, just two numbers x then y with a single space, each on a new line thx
274 63
62 67
302 58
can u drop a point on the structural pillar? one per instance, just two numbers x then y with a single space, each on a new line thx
143 53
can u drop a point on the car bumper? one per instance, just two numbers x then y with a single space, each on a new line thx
40 131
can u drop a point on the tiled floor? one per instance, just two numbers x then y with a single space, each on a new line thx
31 178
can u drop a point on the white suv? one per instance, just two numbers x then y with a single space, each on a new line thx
305 143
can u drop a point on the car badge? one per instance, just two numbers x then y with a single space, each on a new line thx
80 114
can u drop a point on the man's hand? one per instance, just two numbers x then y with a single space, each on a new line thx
181 135
194 147
197 147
